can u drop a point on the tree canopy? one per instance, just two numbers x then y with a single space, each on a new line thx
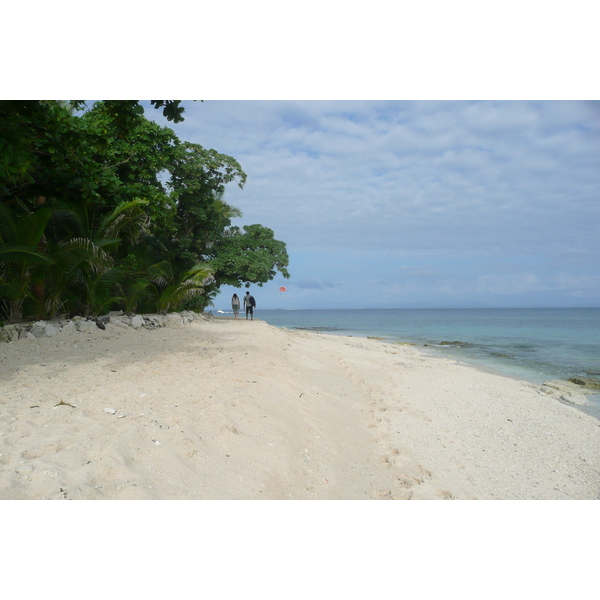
102 209
249 255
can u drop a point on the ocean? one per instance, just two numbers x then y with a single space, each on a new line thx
535 344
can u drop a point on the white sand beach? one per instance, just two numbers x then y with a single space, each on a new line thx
224 409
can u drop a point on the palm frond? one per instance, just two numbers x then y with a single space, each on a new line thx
127 218
192 283
83 250
23 254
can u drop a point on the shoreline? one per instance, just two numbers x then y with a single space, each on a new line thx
576 396
583 398
225 409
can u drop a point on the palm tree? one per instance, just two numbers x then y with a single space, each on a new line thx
84 276
223 209
58 258
22 256
144 282
190 284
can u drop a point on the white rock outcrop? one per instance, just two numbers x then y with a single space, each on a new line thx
32 331
69 327
122 322
38 328
86 326
51 330
174 321
137 322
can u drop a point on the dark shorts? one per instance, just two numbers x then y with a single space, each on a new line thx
249 310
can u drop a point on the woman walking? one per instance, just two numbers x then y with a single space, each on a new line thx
235 304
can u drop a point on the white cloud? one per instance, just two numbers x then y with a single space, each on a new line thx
508 284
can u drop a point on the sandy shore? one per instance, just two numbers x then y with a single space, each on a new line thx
241 410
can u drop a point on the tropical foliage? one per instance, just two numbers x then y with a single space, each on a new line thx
101 209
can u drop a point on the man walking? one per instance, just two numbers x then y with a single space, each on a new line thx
249 304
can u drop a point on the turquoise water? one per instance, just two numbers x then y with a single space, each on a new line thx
536 344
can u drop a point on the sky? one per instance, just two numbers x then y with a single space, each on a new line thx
415 204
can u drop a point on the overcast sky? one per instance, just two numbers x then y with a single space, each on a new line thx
416 204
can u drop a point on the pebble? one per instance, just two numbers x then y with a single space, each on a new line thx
110 411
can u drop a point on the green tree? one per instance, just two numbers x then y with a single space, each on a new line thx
103 207
197 183
249 255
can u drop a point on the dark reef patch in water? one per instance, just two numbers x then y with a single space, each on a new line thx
457 344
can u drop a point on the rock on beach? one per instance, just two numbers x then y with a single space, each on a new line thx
40 329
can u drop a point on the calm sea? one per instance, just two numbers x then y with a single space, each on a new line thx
536 344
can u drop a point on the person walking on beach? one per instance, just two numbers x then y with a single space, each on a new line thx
249 304
235 305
